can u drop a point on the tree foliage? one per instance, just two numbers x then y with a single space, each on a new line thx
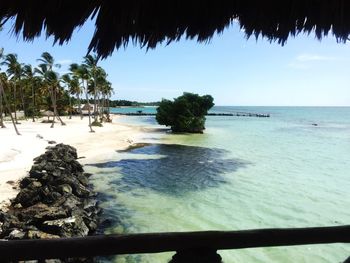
37 89
186 113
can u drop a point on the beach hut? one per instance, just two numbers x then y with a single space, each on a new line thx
85 108
47 114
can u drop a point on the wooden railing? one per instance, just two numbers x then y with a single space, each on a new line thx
181 242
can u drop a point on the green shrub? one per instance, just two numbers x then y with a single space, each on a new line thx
186 113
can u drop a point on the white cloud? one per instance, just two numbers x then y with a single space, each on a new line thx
312 57
305 61
65 61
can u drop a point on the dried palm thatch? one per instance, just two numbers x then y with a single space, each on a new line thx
150 22
47 113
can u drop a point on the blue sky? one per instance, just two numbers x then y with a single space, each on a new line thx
234 70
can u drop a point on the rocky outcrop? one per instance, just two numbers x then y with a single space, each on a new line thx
54 201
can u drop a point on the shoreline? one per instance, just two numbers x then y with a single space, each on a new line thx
17 152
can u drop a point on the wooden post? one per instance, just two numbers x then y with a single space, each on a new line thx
202 255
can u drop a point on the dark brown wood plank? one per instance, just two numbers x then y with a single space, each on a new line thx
162 242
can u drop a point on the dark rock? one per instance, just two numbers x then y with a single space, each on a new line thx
17 206
36 234
9 221
66 227
45 192
90 203
10 182
83 179
77 188
91 224
27 197
64 189
37 172
41 212
26 181
35 184
16 234
54 201
51 142
69 202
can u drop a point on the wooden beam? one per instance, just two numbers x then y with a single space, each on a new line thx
163 242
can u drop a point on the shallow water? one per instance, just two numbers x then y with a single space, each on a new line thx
241 173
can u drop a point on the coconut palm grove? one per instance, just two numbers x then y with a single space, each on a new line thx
40 90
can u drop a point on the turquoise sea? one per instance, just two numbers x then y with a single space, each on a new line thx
242 173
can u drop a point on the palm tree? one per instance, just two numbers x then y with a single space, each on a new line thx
14 71
107 91
2 125
4 82
90 62
51 82
31 81
82 73
48 60
72 84
102 84
77 90
51 77
66 79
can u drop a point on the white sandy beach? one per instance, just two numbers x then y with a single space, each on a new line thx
17 152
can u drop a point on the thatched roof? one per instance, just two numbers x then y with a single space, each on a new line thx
86 106
47 113
149 22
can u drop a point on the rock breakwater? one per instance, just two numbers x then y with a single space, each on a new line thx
54 201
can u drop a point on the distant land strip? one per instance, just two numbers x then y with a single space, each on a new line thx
237 114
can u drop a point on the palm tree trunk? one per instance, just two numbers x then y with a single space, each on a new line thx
102 105
15 103
54 105
100 102
95 102
88 103
2 125
22 99
105 106
8 108
108 118
70 107
79 106
33 102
